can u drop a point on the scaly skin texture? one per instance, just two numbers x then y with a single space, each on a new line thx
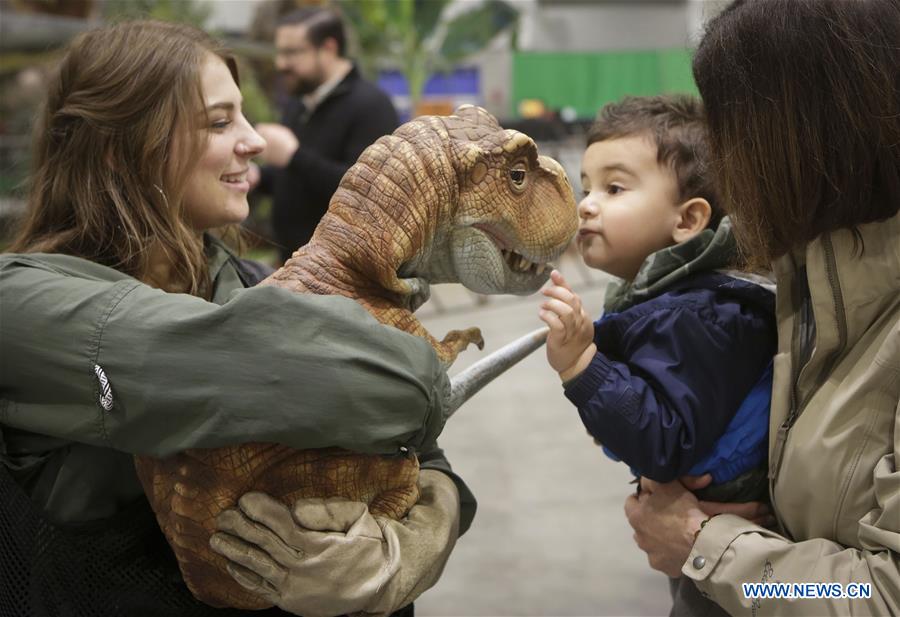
443 199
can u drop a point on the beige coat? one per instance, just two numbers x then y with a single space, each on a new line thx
835 470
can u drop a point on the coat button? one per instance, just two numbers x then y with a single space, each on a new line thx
699 562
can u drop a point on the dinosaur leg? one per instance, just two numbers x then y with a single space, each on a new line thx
447 350
458 340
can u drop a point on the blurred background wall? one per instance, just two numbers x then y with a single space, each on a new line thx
541 66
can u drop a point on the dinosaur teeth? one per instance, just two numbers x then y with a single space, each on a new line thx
518 263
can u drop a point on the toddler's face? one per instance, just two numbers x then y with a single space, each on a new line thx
630 205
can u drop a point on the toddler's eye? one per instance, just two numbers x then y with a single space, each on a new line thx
614 189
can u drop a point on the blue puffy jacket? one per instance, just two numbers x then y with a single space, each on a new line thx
671 374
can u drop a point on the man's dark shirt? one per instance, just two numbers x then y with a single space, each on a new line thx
346 122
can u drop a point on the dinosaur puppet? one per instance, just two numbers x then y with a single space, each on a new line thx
443 199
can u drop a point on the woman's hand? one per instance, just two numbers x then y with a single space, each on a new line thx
665 519
331 556
756 512
325 557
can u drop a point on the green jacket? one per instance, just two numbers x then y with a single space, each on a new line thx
260 364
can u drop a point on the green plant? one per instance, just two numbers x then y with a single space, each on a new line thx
410 35
185 11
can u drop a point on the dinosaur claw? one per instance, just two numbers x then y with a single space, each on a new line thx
458 340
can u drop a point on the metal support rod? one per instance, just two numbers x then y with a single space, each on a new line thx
480 374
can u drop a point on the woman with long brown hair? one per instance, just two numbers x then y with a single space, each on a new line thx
803 103
126 329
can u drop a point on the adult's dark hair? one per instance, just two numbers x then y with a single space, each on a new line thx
803 103
676 125
321 24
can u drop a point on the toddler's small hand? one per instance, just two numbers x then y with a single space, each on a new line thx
571 329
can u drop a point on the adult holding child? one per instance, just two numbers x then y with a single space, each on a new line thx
803 106
126 329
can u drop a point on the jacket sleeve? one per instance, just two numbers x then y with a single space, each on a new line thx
121 365
433 458
322 175
668 393
735 551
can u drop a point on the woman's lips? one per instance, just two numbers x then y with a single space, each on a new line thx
240 187
236 181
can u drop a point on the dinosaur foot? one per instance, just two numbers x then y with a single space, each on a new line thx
457 340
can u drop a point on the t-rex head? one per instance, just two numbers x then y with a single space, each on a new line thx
448 199
515 211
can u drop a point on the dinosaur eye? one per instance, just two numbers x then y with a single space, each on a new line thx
517 178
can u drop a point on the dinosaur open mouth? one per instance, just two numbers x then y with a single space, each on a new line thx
518 263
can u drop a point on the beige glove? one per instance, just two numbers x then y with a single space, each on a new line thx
331 557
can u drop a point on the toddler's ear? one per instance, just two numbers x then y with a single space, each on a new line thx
693 217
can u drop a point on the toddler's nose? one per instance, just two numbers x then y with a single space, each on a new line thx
587 208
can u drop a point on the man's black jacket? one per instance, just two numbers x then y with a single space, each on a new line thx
332 137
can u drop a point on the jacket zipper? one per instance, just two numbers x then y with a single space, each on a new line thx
801 346
801 339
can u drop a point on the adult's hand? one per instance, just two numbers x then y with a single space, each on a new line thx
281 143
665 519
330 556
756 512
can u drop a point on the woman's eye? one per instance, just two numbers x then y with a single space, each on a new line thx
221 124
517 176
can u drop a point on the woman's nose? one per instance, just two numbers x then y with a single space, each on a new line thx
251 144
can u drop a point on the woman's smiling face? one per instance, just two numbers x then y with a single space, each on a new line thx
216 192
